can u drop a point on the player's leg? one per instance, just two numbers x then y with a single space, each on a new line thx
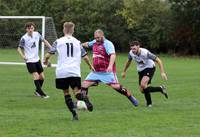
41 77
148 75
86 84
39 91
32 68
143 87
40 71
122 90
70 104
63 84
75 84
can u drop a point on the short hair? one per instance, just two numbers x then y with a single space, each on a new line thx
29 24
99 31
68 27
132 43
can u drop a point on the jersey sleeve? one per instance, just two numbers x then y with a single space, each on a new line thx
40 36
21 43
91 43
129 57
54 48
110 49
83 52
151 56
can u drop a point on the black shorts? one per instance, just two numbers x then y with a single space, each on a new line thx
147 72
64 83
34 67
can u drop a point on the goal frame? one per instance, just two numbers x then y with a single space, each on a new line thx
43 34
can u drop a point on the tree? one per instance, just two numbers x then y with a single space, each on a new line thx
147 19
186 17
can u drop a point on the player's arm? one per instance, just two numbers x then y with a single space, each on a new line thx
88 44
20 48
162 71
126 66
46 58
160 64
85 44
51 52
87 61
86 58
111 63
46 43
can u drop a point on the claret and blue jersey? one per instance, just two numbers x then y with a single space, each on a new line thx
101 54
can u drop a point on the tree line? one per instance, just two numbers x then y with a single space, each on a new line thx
165 26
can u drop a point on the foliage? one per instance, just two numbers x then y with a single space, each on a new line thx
161 25
186 26
147 18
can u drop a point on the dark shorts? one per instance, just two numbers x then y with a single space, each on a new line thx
64 83
34 67
147 72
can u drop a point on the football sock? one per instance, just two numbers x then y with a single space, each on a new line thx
133 100
153 89
41 82
70 104
89 105
38 87
122 91
147 96
84 91
79 96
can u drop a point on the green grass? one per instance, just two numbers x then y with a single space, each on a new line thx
24 115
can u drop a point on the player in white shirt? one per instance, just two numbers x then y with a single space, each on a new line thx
68 73
28 49
146 67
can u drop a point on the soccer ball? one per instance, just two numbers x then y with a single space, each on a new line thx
81 105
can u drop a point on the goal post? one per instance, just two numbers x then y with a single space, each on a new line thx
12 29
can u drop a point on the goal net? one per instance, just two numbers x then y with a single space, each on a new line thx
12 29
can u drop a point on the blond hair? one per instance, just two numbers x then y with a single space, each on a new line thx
68 27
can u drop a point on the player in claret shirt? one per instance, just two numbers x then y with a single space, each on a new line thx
104 65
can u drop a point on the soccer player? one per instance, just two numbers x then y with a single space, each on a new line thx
146 68
104 65
68 73
28 49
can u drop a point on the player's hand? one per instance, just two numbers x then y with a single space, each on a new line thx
45 62
109 69
24 57
164 76
92 68
123 75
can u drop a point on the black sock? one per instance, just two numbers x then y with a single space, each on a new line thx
41 82
84 91
80 96
153 89
147 96
122 91
70 104
83 96
38 87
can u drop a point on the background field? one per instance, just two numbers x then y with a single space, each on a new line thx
24 115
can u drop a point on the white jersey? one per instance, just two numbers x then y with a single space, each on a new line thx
144 60
69 51
30 44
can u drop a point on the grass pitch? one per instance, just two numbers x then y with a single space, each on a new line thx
24 115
